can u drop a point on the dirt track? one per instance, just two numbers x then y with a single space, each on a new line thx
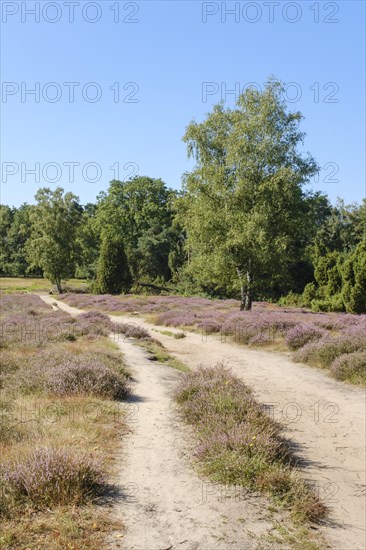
324 418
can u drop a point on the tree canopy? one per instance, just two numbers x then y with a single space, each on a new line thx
244 206
244 224
51 245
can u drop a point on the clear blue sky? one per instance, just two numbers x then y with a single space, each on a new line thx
169 52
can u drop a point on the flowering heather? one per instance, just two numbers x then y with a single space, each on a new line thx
323 352
61 372
35 362
131 330
50 477
86 378
350 367
18 326
317 338
238 443
93 323
22 325
22 302
217 315
299 335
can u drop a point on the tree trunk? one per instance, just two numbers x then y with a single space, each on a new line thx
242 289
249 292
58 285
246 290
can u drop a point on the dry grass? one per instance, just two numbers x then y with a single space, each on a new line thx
158 353
83 425
239 444
16 284
267 326
61 529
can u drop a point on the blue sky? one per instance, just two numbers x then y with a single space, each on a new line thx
160 57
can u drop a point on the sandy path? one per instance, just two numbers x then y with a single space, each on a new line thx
165 504
324 418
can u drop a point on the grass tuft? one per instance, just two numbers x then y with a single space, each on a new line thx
239 444
50 477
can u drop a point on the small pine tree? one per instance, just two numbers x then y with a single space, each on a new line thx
113 274
354 280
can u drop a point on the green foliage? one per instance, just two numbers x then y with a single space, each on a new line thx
6 220
244 210
333 304
342 229
354 280
310 293
88 240
242 224
52 244
113 275
339 259
140 210
328 273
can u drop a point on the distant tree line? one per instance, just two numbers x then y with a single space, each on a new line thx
242 226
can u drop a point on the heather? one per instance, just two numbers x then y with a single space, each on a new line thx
239 444
315 338
325 352
87 378
350 367
62 380
299 335
50 477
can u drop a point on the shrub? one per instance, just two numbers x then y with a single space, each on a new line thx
354 280
299 335
93 322
113 274
291 299
132 330
334 304
238 443
310 293
323 352
350 367
50 477
91 378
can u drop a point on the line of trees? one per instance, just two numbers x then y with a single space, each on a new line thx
242 226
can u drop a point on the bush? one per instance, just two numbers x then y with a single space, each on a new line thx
238 443
350 367
50 477
132 330
354 280
334 304
91 378
113 274
299 335
310 293
93 322
323 352
291 299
